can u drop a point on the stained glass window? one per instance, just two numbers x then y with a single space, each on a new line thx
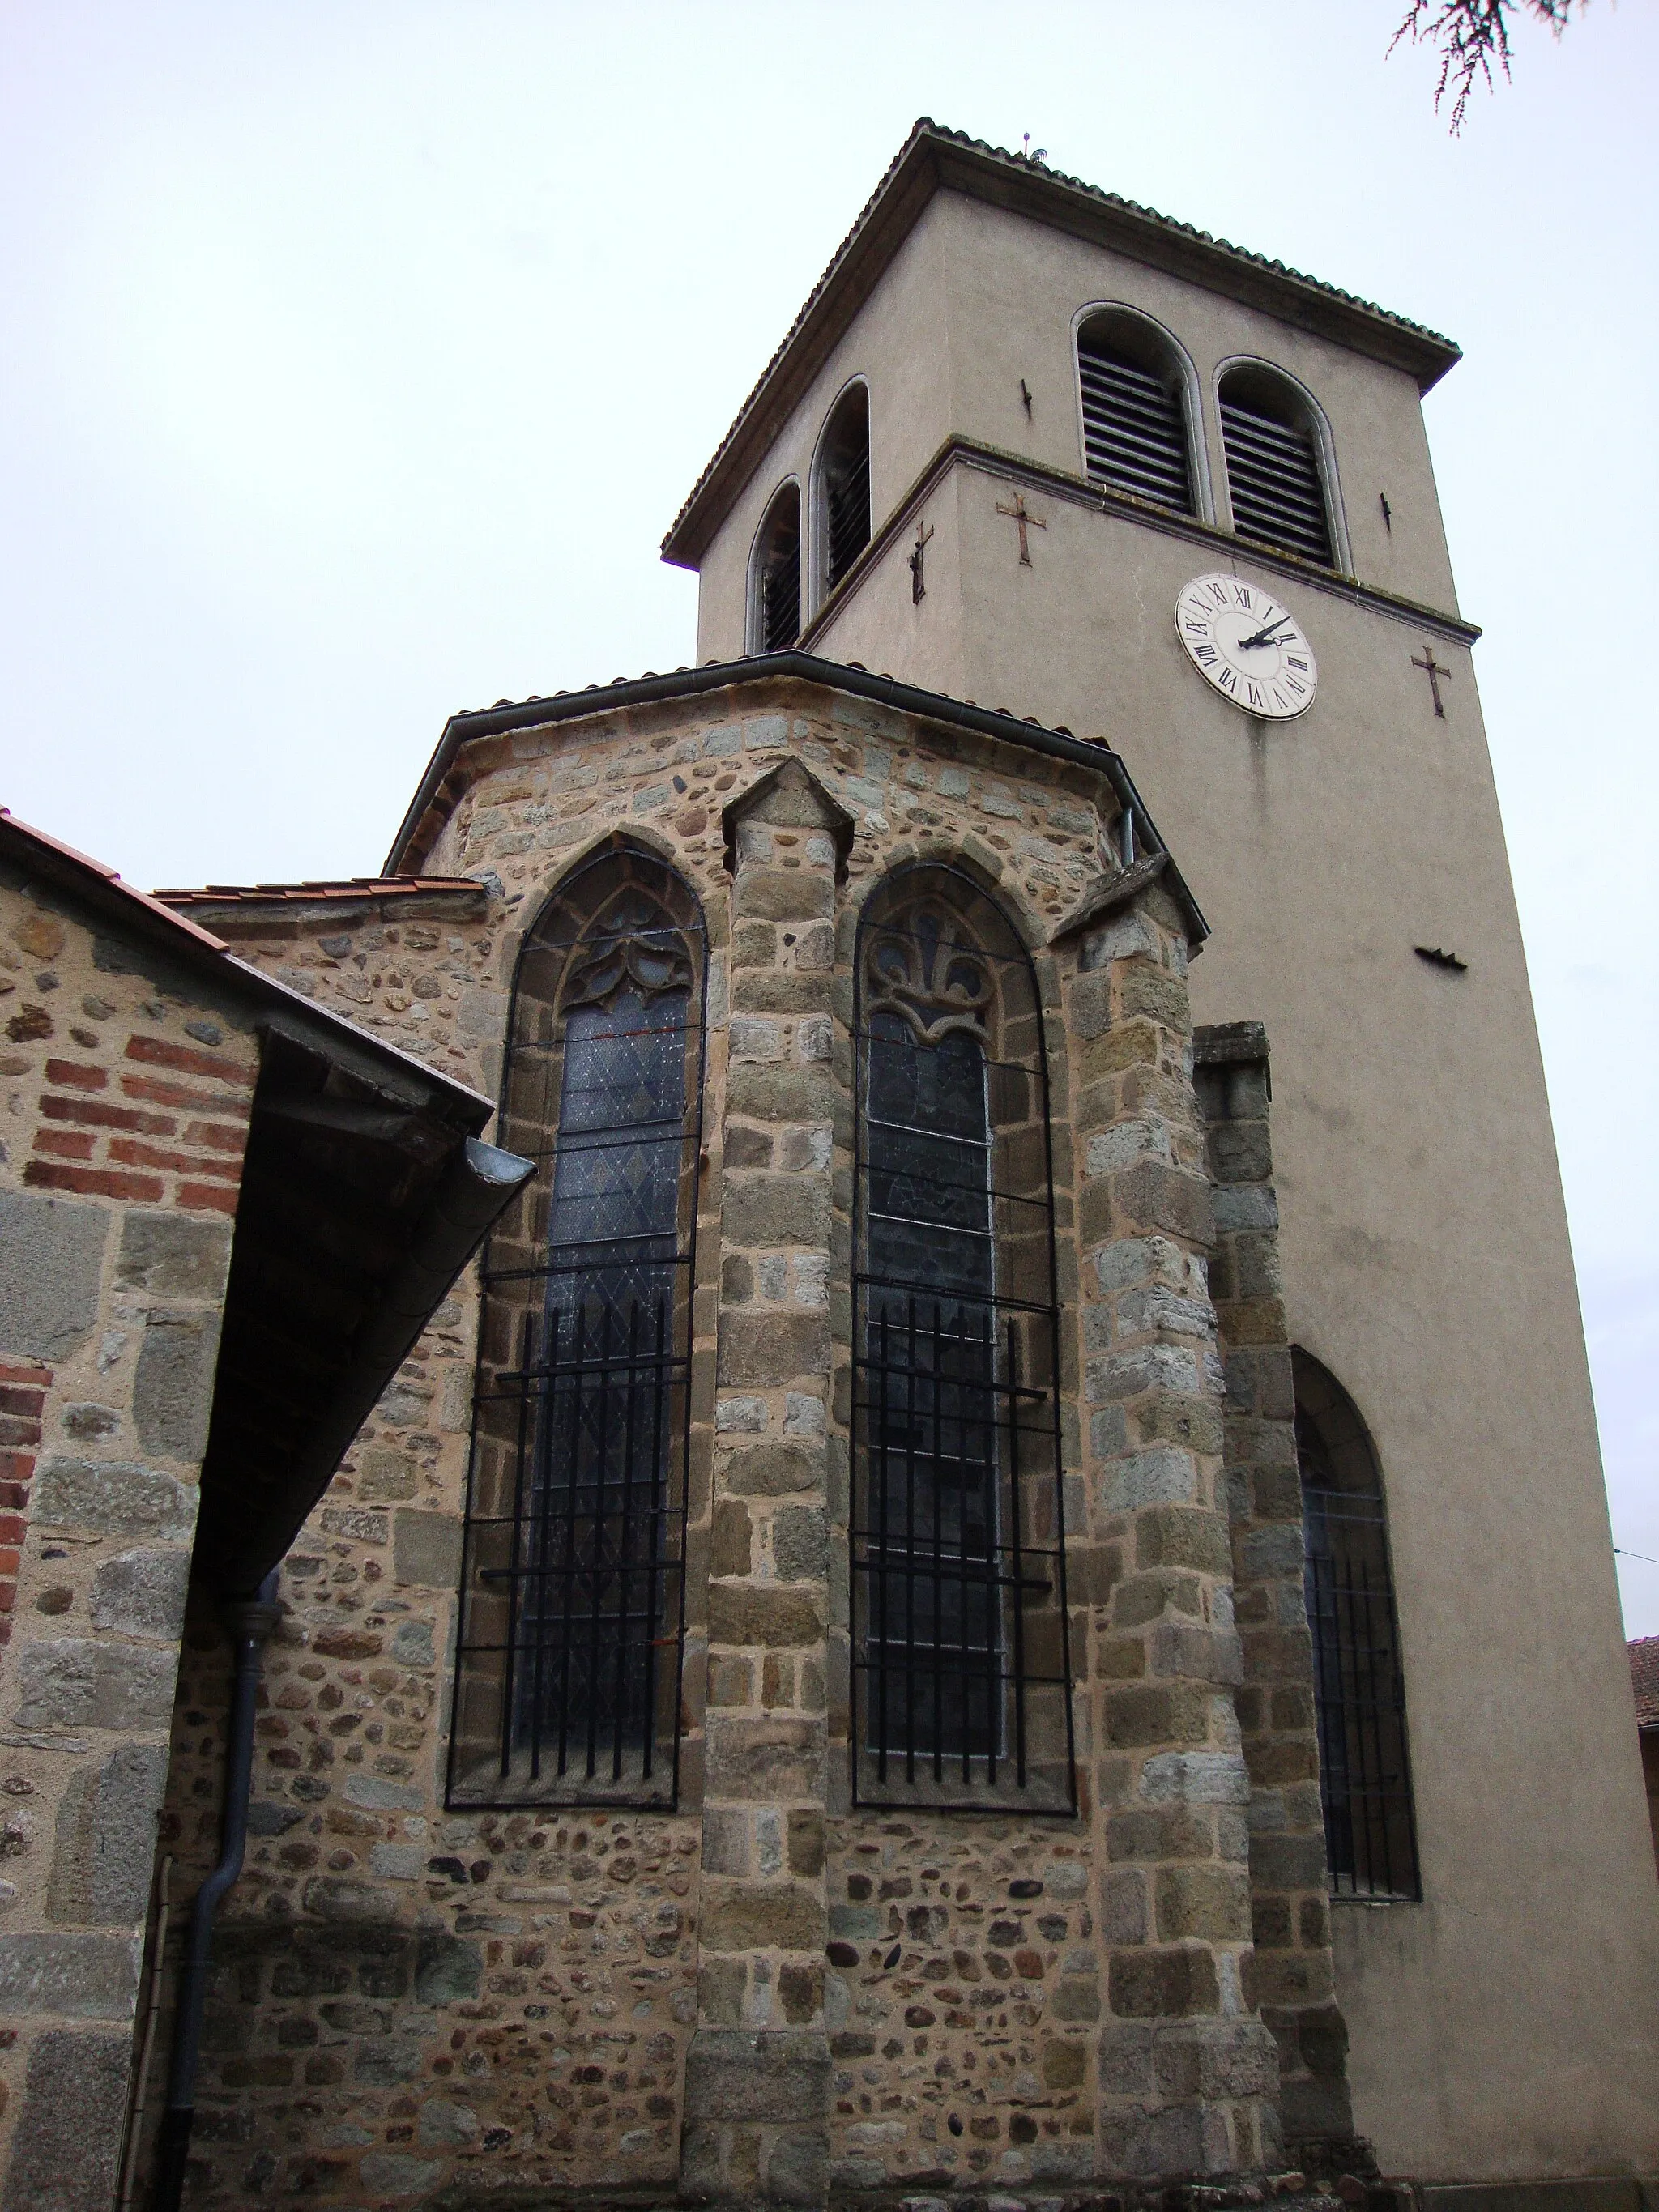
570 1650
959 1660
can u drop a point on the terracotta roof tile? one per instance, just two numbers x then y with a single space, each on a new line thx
310 894
1645 1679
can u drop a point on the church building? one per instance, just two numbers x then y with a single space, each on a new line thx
994 1588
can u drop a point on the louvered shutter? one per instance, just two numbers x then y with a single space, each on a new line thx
1273 472
847 489
780 585
1135 428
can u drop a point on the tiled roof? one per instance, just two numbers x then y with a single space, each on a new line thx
349 887
1021 167
1645 1679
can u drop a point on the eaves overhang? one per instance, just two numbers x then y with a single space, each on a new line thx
365 1188
418 830
935 159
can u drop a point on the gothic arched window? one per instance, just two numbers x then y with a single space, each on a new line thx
1138 435
1359 1695
843 486
960 1665
775 585
567 1670
1277 464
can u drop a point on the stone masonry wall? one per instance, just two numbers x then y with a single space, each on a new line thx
125 1099
1294 1977
413 2004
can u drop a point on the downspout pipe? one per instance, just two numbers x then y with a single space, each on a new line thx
252 1621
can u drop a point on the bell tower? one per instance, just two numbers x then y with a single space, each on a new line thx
1036 447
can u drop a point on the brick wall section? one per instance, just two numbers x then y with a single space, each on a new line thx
1294 1977
124 1094
1188 2074
23 1387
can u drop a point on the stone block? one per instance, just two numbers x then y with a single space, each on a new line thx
1162 1477
800 1543
1147 1713
759 1093
426 1548
79 1977
780 2077
1064 2065
762 1760
53 1273
781 895
378 1795
806 1843
1171 1536
1199 1655
386 2061
412 1645
104 1848
742 1917
1195 1777
171 1256
444 2124
72 1682
173 1389
1288 1861
765 1349
1162 1984
1153 1196
447 1970
67 2141
142 1592
113 1497
798 2166
731 1547
777 1470
743 1614
1210 1903
385 1476
394 2173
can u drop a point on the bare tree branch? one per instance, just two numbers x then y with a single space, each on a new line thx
1472 36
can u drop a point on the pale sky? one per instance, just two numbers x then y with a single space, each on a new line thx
354 358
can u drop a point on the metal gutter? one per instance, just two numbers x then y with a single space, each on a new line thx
464 729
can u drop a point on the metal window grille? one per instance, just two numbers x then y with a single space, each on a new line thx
569 1659
1371 1839
847 486
1274 473
780 578
961 1667
1134 426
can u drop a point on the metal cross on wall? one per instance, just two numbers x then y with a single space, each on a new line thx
1434 672
918 583
1017 513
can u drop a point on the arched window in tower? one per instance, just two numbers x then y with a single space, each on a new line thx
1137 436
960 1664
774 592
1275 471
844 484
568 1665
1370 1834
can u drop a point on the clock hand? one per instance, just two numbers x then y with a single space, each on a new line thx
1260 636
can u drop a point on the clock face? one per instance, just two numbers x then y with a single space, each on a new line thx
1242 640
